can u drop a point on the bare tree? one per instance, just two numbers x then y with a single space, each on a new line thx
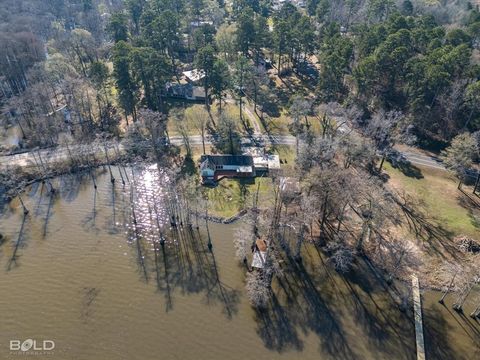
452 270
381 129
154 127
465 288
200 119
356 151
12 181
460 155
341 256
257 290
243 238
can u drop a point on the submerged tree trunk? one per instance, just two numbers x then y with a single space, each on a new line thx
458 306
112 179
447 290
476 312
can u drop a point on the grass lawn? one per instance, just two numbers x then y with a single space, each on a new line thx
189 109
287 155
278 125
230 110
233 195
440 199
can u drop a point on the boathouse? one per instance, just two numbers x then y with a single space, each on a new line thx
259 250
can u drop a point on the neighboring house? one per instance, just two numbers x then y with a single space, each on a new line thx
194 76
264 63
197 23
277 4
185 92
260 59
216 167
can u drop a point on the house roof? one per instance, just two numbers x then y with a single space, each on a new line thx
194 75
258 259
185 90
239 160
267 161
198 92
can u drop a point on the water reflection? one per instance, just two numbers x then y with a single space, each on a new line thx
157 222
167 246
139 250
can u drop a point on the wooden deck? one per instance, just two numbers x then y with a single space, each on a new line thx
417 310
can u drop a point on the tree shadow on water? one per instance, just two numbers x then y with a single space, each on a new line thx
307 311
387 329
69 185
180 261
276 329
19 244
437 345
334 308
319 316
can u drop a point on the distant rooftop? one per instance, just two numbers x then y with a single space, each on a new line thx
194 75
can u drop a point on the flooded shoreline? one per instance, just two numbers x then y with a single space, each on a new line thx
79 270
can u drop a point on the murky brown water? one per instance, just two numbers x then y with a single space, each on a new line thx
102 288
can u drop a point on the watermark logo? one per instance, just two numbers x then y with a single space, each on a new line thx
32 347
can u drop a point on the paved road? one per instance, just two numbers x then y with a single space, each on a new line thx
432 162
61 153
424 160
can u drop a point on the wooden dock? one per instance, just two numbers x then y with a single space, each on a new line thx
417 310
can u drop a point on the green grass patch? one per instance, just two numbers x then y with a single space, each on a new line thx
231 196
287 155
191 109
440 199
280 125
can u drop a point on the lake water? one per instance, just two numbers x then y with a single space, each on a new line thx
84 275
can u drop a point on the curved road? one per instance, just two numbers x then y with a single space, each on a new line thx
61 153
424 160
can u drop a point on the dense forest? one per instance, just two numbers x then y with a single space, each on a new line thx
79 68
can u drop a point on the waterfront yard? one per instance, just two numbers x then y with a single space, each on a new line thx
231 196
436 193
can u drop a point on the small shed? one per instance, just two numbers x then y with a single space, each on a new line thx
259 254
